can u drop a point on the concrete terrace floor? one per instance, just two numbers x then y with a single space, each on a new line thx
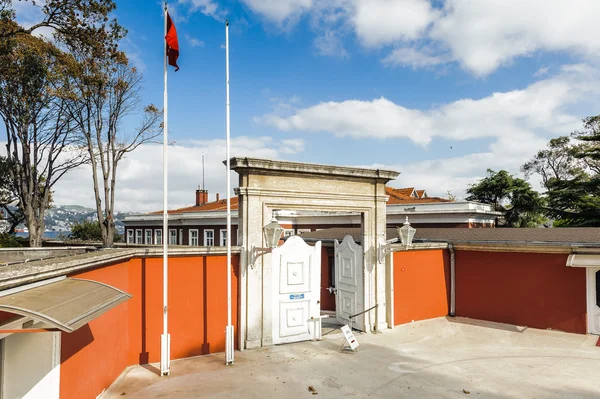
439 358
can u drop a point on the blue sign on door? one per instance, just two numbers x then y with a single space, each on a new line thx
297 296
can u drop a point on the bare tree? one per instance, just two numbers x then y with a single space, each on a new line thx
107 93
41 146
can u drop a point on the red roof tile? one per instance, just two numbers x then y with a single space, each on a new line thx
220 205
397 196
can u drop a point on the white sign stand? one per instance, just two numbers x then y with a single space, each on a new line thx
349 338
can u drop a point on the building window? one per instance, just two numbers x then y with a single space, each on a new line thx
180 236
224 238
148 240
158 237
138 237
194 238
209 238
172 236
288 232
130 239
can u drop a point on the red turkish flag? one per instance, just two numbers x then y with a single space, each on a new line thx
172 43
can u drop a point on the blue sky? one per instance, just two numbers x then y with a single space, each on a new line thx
438 90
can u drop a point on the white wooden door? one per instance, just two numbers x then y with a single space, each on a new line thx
296 290
593 284
349 284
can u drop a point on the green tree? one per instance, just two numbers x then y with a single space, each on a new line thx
86 231
9 198
85 22
575 201
556 162
41 144
89 231
520 205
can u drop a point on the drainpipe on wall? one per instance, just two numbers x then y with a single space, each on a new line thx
452 281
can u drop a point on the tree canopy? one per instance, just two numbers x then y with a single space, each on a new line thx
520 205
574 200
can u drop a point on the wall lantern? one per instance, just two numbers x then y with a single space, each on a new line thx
406 233
272 232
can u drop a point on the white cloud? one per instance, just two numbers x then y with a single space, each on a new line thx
209 8
194 42
456 173
291 146
480 36
411 57
541 72
279 11
378 22
540 107
484 35
330 44
139 184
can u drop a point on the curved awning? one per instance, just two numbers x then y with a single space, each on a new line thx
65 304
583 260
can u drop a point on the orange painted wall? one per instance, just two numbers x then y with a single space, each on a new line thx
421 285
96 354
529 289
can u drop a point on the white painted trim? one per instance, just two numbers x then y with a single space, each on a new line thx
206 238
171 231
592 310
180 236
223 237
190 238
158 232
583 260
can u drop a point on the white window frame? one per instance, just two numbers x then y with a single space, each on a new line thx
147 239
191 238
157 236
139 236
172 237
288 232
223 240
206 238
180 236
130 236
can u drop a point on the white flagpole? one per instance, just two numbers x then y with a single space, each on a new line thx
165 339
229 329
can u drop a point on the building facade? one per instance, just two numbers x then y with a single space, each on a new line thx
203 224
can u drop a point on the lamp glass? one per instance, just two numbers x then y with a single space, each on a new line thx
406 233
273 232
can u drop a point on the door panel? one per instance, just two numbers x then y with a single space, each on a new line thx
296 290
349 282
593 282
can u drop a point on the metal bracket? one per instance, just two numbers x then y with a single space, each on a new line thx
257 252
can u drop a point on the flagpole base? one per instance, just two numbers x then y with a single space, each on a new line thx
229 345
165 354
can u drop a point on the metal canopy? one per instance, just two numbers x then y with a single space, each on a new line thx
66 304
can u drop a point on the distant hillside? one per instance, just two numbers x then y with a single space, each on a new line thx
60 217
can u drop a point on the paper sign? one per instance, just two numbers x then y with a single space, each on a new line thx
297 296
349 337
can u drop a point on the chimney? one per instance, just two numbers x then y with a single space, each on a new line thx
201 197
217 196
